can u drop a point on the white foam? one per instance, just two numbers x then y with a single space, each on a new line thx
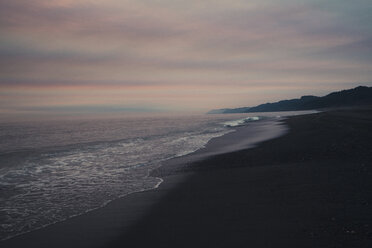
240 122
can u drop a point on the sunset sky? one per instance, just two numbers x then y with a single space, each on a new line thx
61 57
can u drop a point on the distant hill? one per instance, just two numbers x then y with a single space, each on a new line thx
358 96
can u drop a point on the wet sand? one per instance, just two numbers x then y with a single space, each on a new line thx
311 187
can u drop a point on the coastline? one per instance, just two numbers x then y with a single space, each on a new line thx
278 194
243 137
256 131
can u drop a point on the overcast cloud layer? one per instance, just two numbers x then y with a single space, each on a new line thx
58 55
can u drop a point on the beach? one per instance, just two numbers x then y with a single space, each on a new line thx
311 187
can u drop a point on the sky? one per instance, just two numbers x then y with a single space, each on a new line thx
66 57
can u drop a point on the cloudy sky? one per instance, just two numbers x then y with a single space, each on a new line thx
87 56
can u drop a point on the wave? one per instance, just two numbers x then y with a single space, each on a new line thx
53 186
241 122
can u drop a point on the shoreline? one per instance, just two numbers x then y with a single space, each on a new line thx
254 133
176 164
260 179
253 129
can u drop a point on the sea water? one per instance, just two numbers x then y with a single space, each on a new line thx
53 170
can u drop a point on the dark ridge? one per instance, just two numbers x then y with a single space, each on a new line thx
359 96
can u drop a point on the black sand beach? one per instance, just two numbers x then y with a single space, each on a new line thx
311 187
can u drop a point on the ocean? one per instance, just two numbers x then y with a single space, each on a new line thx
53 170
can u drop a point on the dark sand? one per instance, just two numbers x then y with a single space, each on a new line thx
311 187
